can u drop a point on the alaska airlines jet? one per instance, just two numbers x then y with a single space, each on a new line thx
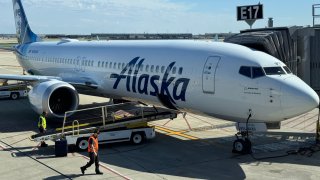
216 79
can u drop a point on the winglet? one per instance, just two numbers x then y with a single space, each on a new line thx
23 30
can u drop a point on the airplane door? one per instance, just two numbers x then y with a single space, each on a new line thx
208 74
80 64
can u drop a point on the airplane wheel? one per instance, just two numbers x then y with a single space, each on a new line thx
137 138
14 96
82 144
242 146
238 146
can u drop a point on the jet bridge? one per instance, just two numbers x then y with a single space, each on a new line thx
298 47
278 42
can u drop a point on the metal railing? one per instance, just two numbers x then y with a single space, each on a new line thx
108 111
78 127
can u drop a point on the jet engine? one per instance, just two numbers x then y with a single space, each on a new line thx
54 97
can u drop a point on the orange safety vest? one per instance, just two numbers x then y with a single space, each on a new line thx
95 144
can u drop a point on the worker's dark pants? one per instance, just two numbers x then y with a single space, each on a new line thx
93 159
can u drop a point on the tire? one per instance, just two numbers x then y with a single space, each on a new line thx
14 96
82 144
137 138
238 146
241 146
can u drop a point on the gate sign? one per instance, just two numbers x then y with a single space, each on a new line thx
250 12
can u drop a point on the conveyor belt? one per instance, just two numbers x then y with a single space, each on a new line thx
149 114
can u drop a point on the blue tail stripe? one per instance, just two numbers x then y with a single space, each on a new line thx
23 30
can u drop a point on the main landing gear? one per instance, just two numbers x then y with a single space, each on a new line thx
242 145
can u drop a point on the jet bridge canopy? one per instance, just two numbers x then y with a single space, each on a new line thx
277 42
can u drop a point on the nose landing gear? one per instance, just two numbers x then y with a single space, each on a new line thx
242 144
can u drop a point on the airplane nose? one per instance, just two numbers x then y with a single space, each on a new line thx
297 97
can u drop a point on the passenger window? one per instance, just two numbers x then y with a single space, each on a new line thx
102 64
246 71
147 68
106 65
257 72
99 64
141 67
110 65
123 65
180 70
114 65
157 69
119 65
151 69
162 69
174 69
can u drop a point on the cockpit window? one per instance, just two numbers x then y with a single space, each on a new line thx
251 72
287 69
257 72
245 70
274 70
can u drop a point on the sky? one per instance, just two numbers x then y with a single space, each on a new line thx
150 16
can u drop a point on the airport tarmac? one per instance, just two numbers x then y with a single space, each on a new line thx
199 148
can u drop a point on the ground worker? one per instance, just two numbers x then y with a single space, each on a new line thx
42 125
93 152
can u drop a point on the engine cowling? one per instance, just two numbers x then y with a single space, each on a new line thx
54 97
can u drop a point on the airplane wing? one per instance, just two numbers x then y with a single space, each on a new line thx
27 77
80 82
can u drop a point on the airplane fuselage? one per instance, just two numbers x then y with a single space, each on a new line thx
194 76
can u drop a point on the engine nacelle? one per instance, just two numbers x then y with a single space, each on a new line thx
54 97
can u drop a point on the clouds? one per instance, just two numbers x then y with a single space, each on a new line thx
124 16
149 5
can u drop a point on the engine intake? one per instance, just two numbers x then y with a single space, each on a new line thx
54 97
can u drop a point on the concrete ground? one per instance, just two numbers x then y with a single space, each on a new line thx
201 151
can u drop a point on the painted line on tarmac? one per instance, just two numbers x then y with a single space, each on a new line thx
110 169
177 133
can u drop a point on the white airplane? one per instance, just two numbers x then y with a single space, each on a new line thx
215 79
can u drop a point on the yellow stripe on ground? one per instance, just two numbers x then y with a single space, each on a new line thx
177 133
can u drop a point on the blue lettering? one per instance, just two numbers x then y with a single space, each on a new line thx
154 85
135 76
184 83
121 76
145 79
167 89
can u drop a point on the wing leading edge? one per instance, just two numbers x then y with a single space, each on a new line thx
79 82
